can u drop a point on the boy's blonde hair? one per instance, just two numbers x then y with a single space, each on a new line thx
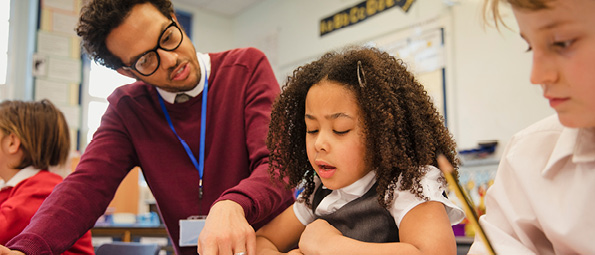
491 8
42 129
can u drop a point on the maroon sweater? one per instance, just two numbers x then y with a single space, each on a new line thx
134 132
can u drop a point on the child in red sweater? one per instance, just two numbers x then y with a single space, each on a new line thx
33 136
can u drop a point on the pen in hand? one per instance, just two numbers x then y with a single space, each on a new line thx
468 206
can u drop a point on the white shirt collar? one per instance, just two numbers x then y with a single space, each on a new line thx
585 146
204 62
20 176
340 197
575 143
358 188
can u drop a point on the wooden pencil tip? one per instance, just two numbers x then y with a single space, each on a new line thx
444 164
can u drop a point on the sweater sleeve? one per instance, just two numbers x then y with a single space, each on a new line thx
21 204
76 203
260 198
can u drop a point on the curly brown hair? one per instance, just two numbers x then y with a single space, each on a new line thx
402 129
99 17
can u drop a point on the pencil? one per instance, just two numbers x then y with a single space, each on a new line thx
468 206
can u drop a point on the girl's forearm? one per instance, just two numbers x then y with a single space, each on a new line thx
265 247
346 246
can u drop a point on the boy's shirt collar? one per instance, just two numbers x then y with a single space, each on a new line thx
574 143
585 148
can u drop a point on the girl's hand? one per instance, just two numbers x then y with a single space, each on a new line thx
317 236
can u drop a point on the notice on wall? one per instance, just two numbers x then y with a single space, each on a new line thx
64 23
49 43
57 92
72 114
65 5
422 51
60 16
57 61
64 69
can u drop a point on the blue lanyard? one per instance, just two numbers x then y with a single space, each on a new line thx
203 123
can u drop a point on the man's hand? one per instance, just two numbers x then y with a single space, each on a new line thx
6 251
226 231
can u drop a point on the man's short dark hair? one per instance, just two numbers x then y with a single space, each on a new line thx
99 17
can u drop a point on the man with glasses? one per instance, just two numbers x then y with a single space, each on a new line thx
203 155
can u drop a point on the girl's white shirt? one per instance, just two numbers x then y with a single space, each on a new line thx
403 200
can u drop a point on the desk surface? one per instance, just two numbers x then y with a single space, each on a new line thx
128 226
125 232
130 233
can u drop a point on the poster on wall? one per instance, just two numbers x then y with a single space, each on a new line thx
65 5
64 23
423 53
50 43
64 69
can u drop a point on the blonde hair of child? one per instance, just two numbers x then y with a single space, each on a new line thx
491 9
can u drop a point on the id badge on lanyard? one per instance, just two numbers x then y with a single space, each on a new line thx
190 228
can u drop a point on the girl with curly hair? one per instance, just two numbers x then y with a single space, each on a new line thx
361 136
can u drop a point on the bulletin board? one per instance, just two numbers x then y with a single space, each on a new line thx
57 60
421 47
423 53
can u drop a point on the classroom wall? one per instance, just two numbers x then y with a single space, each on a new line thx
494 98
211 32
21 45
487 71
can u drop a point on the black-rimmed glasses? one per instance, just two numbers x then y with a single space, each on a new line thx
169 40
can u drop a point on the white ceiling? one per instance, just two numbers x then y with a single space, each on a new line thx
229 8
